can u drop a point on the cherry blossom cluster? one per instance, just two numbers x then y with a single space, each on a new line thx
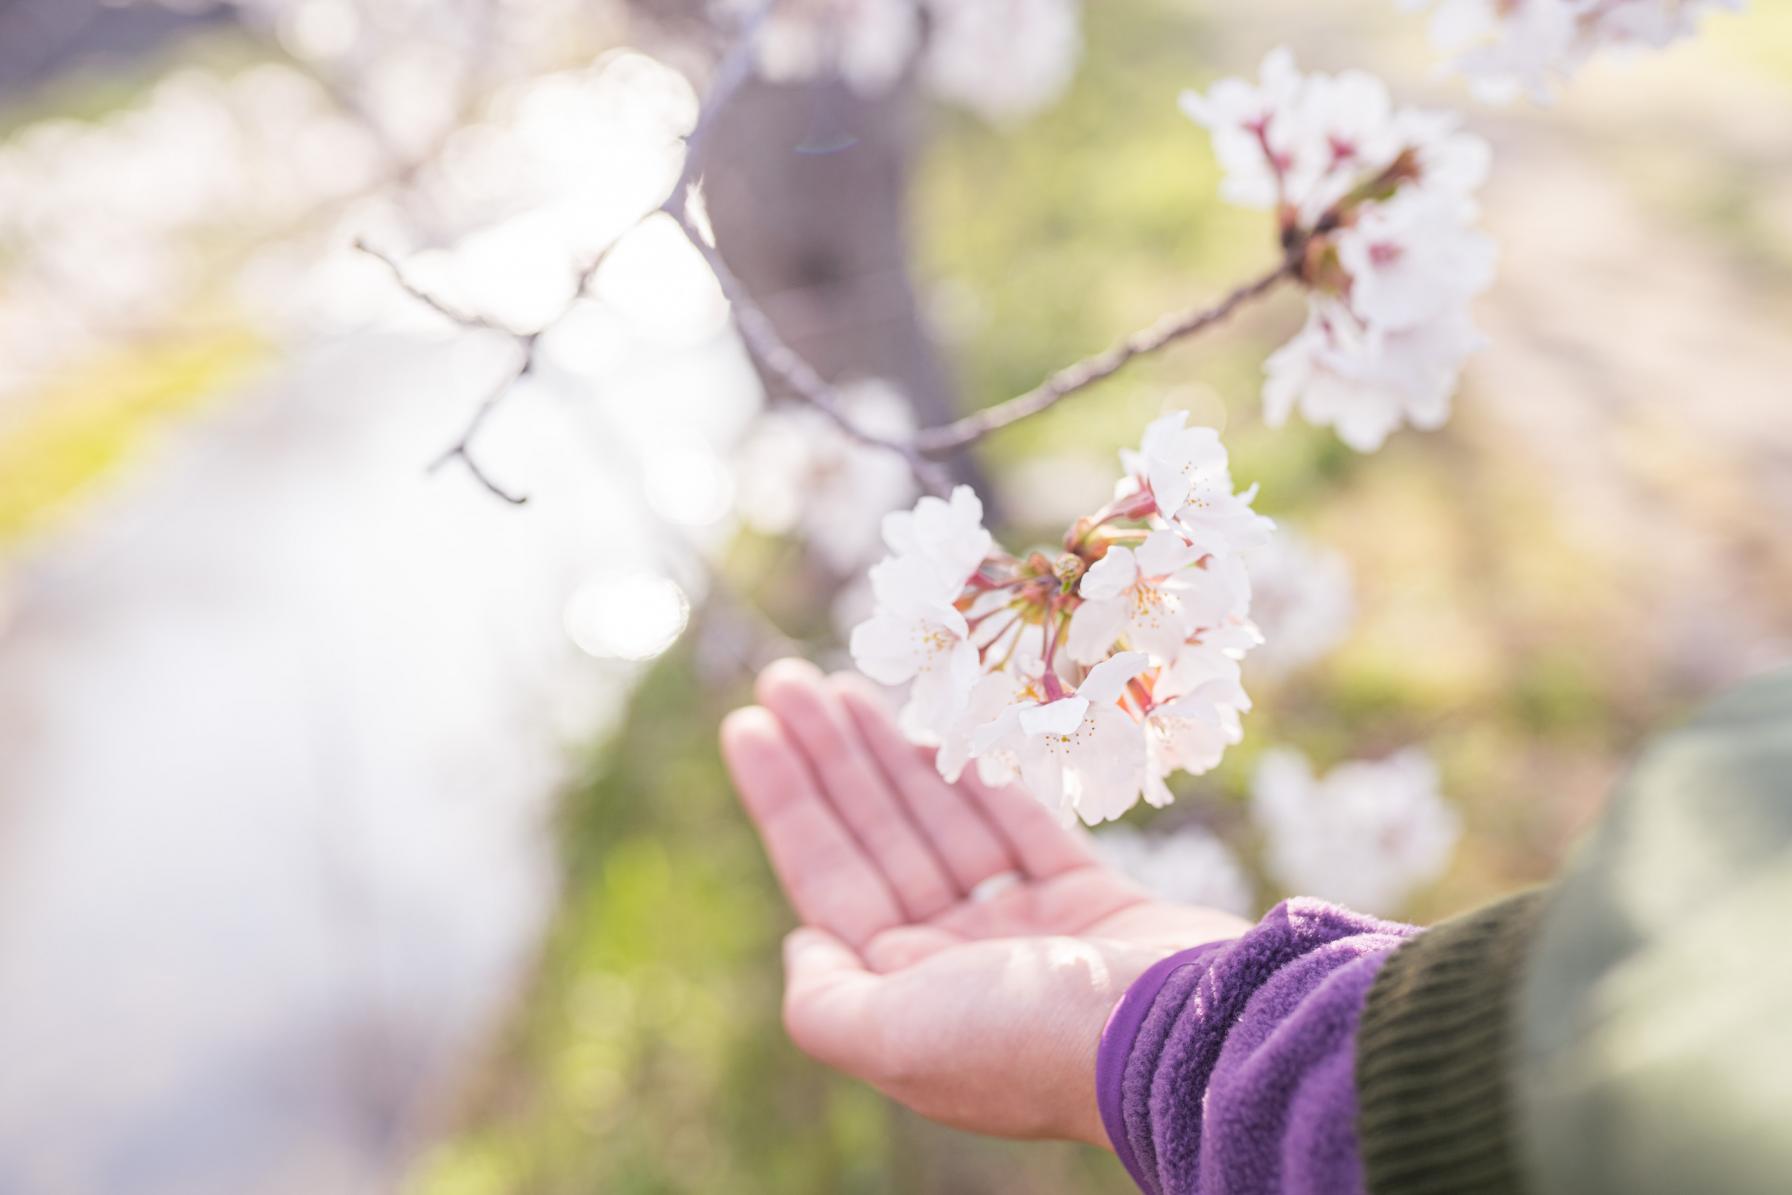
1509 47
1091 673
1376 207
1002 59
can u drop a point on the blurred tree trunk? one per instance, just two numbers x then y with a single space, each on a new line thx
808 191
808 188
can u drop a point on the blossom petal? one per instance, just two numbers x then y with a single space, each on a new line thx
1106 679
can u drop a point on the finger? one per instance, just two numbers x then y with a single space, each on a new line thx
827 997
1044 847
952 823
853 784
828 880
905 946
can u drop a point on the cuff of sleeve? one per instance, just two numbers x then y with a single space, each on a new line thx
1117 1043
1433 1056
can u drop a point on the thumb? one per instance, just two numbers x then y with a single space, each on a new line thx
827 997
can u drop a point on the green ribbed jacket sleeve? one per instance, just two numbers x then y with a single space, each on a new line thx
1627 1032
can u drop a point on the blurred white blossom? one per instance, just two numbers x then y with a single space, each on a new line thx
1302 599
1002 59
867 43
1186 866
1379 202
799 474
1365 835
1513 47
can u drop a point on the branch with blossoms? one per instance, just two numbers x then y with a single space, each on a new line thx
1096 669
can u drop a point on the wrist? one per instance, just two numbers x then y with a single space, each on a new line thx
1078 1117
1120 1032
1112 992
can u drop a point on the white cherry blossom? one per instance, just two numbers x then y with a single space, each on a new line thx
1002 59
1196 716
992 696
1365 835
917 635
947 535
1080 755
1365 385
1449 161
1412 257
1153 596
1218 521
867 43
1176 461
1187 472
1301 143
1529 47
1257 136
1378 203
1348 120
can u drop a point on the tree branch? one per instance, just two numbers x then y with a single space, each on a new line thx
775 355
938 441
757 331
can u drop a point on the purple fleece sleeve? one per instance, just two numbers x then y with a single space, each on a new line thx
1228 1069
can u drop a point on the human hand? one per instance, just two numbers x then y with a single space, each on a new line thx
961 951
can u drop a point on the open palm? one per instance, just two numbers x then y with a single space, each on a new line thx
961 950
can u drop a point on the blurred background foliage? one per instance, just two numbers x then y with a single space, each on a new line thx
645 1054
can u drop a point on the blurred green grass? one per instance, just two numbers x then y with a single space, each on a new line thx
95 416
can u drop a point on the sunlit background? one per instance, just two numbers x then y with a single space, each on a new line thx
363 831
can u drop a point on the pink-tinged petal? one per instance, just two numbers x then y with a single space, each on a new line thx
1093 628
1106 679
1003 727
1164 552
883 649
1057 717
1044 778
908 586
1110 576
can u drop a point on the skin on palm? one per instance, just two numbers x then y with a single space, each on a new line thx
983 1012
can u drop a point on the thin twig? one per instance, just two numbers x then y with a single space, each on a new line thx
786 365
947 438
757 331
462 448
731 73
526 342
410 286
